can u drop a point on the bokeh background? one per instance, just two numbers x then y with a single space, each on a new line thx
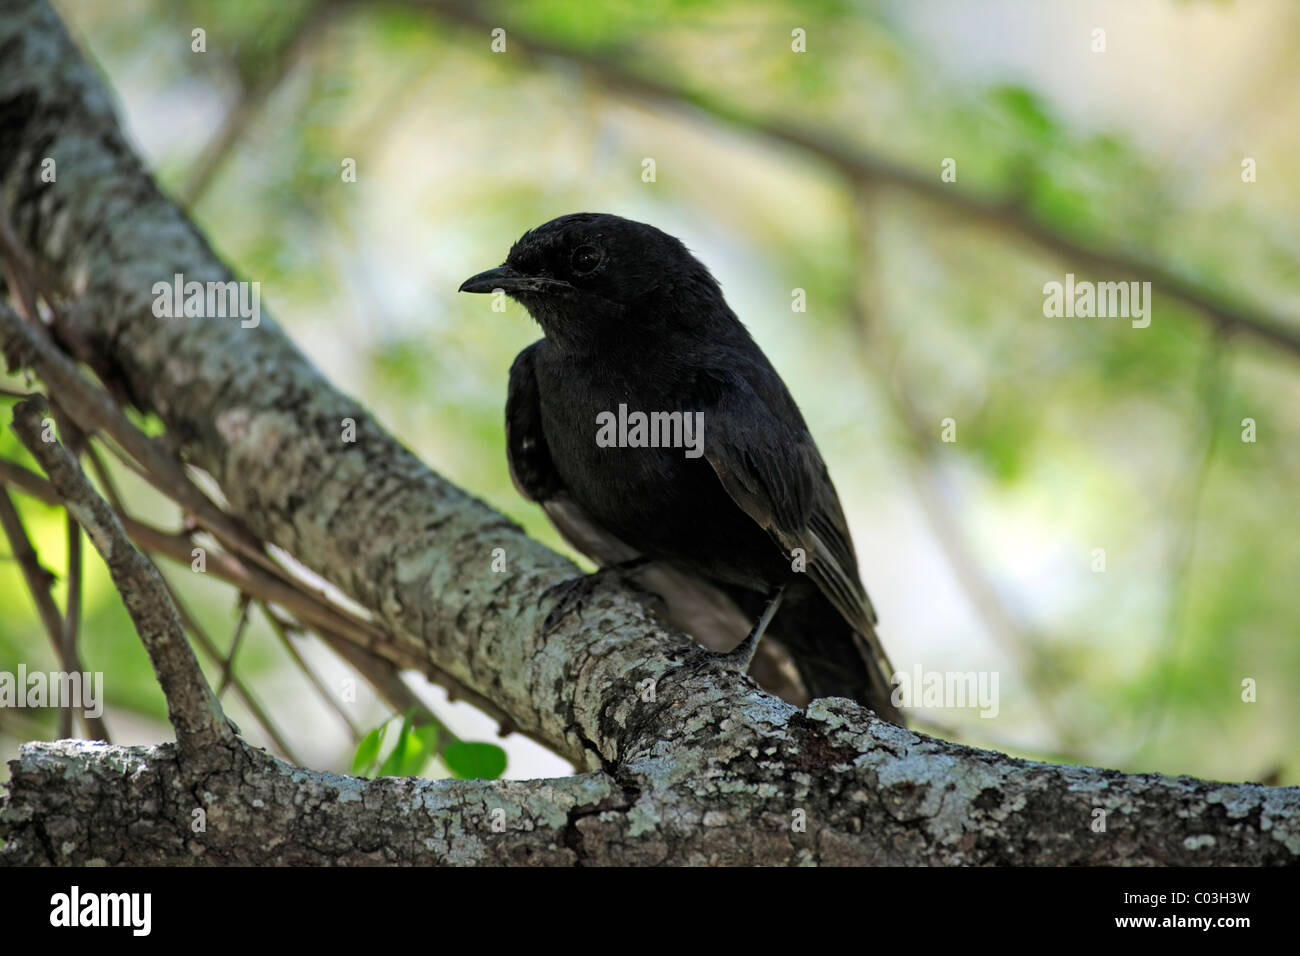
782 170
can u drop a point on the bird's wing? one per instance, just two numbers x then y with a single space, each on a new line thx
770 466
534 473
528 455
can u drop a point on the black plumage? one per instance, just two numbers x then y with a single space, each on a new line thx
630 317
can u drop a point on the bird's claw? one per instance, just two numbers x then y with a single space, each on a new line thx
571 595
706 660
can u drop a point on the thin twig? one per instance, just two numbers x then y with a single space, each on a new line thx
242 690
90 408
878 350
1187 506
366 647
71 612
192 625
193 710
228 662
281 629
381 674
75 440
857 165
38 583
252 100
105 480
27 344
28 482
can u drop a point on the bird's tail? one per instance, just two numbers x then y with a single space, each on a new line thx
830 658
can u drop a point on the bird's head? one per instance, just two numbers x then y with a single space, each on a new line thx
588 278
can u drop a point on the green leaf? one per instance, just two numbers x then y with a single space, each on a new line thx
415 747
427 737
421 747
471 761
1026 110
367 755
392 766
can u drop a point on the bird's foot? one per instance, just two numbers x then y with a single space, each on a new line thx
571 595
735 661
741 656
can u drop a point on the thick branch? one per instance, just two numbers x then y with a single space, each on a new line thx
744 782
75 802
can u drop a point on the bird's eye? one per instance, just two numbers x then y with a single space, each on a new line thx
585 260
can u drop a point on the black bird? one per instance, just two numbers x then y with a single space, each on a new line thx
726 536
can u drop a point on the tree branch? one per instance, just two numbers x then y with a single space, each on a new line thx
365 647
747 781
191 707
270 813
253 98
857 165
38 585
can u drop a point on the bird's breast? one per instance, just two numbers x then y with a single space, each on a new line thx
628 453
631 449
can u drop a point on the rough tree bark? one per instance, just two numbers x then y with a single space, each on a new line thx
686 763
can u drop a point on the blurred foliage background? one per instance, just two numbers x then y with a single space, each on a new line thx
820 171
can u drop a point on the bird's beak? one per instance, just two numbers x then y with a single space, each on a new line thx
508 280
502 277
